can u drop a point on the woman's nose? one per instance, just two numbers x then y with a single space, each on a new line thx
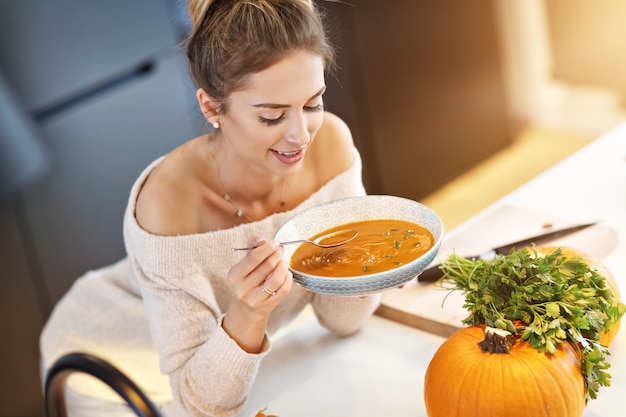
298 133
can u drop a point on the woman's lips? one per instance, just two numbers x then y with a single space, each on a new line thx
291 157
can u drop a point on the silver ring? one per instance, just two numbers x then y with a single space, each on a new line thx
266 291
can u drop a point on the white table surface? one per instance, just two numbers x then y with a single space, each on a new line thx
380 371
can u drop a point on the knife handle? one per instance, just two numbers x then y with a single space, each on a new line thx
431 274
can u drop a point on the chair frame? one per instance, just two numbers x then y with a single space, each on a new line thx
56 378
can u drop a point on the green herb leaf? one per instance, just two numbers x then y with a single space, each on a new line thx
544 299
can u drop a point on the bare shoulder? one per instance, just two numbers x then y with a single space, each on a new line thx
334 147
162 201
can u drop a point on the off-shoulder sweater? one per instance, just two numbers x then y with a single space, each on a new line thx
157 313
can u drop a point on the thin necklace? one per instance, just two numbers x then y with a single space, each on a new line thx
226 195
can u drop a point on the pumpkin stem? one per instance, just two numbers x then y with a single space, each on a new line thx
497 341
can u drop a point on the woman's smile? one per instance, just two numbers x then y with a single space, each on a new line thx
291 157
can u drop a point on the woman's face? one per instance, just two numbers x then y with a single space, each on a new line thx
271 122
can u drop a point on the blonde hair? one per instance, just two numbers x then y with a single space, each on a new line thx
232 39
197 10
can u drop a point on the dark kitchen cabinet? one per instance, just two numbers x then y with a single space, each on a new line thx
21 318
420 83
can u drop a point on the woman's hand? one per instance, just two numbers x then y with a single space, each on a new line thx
260 281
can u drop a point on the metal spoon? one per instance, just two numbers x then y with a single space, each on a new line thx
348 234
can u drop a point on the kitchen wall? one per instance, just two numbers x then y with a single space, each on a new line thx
588 43
563 64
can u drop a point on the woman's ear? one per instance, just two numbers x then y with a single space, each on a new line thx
208 106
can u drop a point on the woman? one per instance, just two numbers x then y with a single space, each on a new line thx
259 66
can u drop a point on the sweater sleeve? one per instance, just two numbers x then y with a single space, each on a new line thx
210 375
344 316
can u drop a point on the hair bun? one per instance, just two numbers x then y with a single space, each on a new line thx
197 10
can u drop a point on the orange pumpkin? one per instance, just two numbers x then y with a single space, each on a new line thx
605 338
465 379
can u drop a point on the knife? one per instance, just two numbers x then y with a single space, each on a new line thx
434 273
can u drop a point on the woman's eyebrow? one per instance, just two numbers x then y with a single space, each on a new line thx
284 106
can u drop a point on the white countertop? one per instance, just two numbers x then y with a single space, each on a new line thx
380 371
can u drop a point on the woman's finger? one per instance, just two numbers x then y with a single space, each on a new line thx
256 257
276 279
270 293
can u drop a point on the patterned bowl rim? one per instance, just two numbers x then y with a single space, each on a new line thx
359 279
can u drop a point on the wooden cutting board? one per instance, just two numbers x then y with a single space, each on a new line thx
430 308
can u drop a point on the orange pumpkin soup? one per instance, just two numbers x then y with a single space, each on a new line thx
381 245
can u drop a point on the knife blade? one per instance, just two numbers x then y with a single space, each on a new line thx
434 273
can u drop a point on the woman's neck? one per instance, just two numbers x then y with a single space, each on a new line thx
262 195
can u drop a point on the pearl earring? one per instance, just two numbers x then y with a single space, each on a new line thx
216 125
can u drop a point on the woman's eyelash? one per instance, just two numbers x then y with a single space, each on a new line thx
319 107
272 122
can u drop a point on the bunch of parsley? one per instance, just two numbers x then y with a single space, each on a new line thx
544 299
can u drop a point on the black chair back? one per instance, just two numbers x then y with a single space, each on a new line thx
54 390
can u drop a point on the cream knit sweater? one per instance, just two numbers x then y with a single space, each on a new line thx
161 308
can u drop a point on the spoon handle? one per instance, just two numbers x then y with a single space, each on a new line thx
281 244
291 242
